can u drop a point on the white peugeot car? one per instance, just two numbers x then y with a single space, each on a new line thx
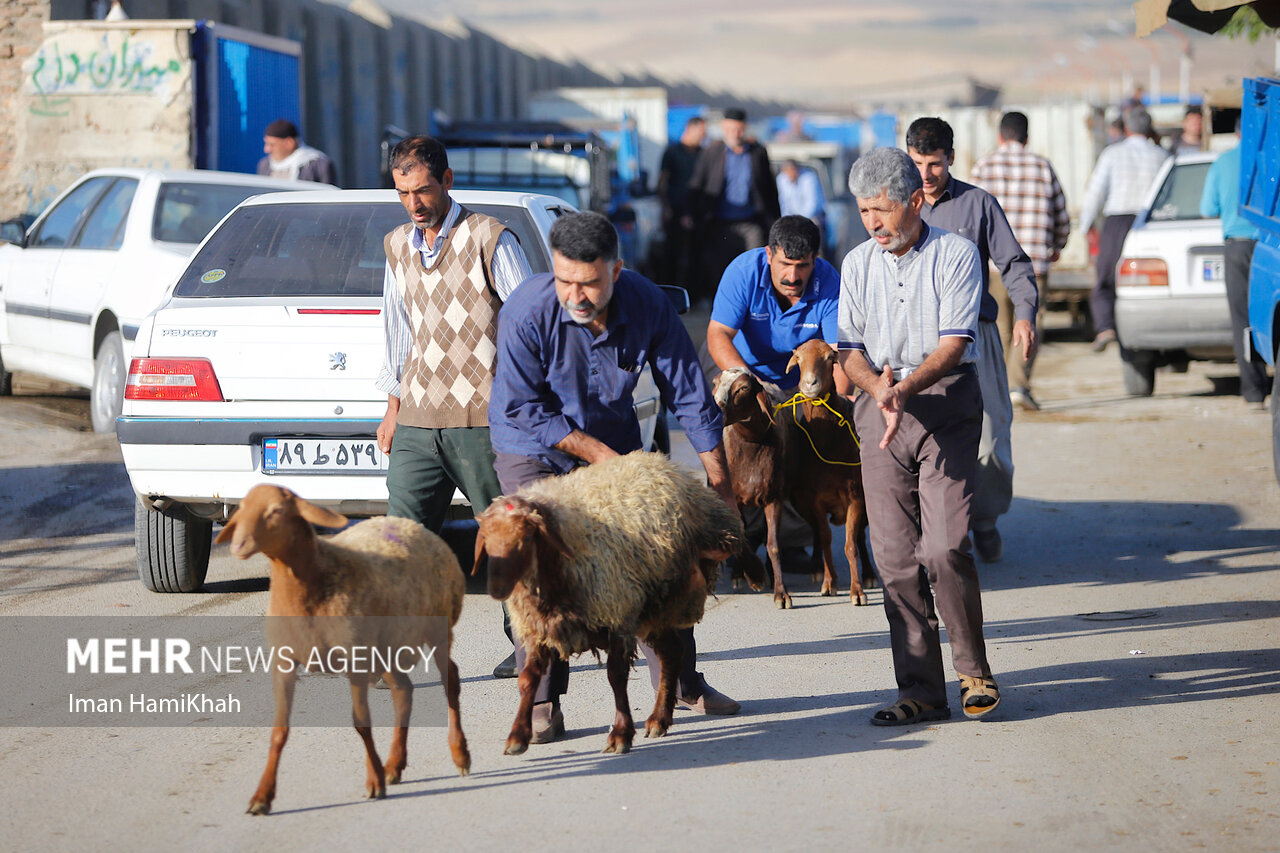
77 284
260 365
1171 297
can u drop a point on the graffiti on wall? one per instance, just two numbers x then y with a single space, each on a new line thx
100 64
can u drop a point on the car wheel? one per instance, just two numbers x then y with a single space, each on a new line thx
1138 369
106 396
6 381
173 548
1275 422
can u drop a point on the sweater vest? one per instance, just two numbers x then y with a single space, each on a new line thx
453 314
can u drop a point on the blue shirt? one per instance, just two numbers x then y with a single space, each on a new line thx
554 376
1221 196
768 334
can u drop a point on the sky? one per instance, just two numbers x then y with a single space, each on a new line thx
832 52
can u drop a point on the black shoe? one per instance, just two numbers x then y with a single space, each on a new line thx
988 544
506 669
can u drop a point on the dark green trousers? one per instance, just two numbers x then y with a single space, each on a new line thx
425 465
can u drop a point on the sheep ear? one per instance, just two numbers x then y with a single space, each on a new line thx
763 399
228 530
320 516
551 537
793 363
482 555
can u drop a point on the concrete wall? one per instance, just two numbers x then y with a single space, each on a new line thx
97 94
20 36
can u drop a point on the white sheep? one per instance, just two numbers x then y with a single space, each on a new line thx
385 583
589 561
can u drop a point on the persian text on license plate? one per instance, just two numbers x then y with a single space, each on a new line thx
1212 268
322 456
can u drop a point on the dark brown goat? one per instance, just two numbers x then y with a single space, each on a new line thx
753 444
824 474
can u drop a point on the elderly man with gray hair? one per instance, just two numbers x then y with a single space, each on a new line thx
908 321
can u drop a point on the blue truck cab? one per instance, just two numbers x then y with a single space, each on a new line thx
1259 198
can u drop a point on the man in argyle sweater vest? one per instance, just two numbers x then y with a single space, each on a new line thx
448 271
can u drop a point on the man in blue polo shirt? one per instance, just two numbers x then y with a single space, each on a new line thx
571 346
772 300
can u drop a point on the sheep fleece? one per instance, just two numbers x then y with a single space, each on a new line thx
382 568
635 525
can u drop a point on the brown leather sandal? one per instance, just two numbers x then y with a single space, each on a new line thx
978 696
904 712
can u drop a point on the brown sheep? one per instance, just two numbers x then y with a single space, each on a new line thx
824 477
625 548
753 445
385 583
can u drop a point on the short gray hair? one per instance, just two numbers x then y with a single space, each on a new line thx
885 170
1138 121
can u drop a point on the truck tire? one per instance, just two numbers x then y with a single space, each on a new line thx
6 381
173 548
1275 422
106 397
1138 369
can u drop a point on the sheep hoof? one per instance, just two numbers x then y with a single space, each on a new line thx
618 747
782 601
654 729
515 747
258 807
828 591
373 792
736 583
465 770
859 599
393 777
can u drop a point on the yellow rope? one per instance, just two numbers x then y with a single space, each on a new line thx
840 420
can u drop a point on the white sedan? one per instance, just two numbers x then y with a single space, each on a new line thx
261 364
77 284
1171 297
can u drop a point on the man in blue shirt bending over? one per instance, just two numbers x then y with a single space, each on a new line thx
772 300
571 346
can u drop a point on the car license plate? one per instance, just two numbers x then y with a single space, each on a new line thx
1212 268
322 456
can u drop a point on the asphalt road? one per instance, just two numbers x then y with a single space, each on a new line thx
1134 626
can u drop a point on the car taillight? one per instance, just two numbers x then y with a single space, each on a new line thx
188 379
1142 272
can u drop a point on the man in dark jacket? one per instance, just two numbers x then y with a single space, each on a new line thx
734 198
289 159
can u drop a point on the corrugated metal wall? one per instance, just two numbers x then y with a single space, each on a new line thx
359 77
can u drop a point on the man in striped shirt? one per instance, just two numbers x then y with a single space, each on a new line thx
1028 190
908 322
1117 190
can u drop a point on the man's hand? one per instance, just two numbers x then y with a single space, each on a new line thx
717 468
387 429
890 403
1024 336
587 448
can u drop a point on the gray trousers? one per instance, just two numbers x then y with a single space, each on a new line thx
993 492
1237 258
919 491
1102 301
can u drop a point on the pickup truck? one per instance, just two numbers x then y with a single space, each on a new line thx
78 282
1259 201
